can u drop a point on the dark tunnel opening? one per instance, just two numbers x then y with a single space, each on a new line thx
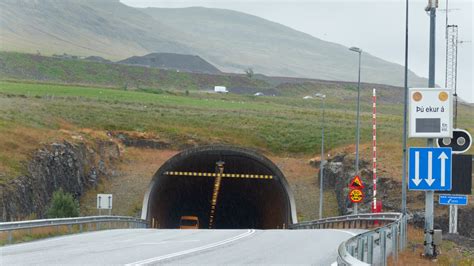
252 193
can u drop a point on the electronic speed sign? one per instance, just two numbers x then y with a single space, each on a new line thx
431 113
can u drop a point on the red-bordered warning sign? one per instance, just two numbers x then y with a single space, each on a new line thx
356 195
356 183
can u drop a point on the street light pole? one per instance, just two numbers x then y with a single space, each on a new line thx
405 122
357 50
321 166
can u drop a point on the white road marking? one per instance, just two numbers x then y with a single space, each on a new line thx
166 242
347 232
159 242
189 251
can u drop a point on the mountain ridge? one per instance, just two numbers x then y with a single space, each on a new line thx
230 40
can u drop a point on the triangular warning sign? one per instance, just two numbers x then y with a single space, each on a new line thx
356 182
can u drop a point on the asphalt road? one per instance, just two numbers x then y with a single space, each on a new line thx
152 246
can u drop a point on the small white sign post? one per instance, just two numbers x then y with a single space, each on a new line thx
104 202
431 113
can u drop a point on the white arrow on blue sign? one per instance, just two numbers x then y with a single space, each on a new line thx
453 199
430 169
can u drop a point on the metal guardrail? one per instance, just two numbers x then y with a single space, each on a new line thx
92 222
359 250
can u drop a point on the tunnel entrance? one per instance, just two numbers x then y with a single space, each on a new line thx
225 187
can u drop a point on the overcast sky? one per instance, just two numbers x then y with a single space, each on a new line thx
376 26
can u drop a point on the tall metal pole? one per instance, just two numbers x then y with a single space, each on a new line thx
456 87
405 115
429 200
358 129
321 167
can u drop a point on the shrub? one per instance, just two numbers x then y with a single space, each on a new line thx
63 205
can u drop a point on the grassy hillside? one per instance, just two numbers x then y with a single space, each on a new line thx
34 68
230 40
49 69
31 114
83 27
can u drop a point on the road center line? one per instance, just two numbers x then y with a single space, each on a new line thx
193 250
347 232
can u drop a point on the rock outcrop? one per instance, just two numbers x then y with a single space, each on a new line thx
465 221
72 167
339 171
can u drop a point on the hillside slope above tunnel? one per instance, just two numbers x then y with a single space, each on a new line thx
225 187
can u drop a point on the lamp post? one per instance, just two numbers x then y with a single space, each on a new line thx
357 50
321 166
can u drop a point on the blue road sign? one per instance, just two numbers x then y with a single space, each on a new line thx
453 199
430 169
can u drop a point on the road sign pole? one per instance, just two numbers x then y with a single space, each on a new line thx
357 130
429 215
429 202
321 167
453 219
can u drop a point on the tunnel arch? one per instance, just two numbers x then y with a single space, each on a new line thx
253 192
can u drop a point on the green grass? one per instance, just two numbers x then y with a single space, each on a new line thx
278 125
264 122
41 68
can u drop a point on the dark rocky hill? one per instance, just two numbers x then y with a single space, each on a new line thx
171 61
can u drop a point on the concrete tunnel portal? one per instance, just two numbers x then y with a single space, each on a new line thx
225 187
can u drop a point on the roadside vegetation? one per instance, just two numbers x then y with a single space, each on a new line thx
450 252
35 113
63 205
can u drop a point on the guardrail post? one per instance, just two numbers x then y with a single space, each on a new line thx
80 228
403 233
69 228
370 249
395 242
10 237
97 226
383 247
360 249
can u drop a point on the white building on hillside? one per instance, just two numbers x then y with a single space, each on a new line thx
220 89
